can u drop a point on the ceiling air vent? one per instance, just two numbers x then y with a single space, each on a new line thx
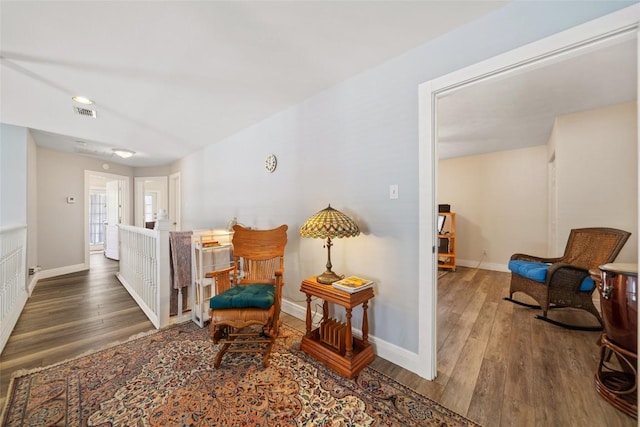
87 112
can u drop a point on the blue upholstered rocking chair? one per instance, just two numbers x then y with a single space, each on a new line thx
565 281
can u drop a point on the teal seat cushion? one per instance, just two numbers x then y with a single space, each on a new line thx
537 271
258 295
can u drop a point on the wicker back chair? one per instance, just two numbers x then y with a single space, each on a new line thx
245 312
565 281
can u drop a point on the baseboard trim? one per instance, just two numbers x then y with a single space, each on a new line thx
33 280
298 311
45 274
483 265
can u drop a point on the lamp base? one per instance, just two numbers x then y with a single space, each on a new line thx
328 277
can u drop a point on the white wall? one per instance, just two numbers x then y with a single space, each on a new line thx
60 224
32 203
13 175
345 146
597 173
500 200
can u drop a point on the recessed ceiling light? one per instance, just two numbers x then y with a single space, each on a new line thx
82 100
123 152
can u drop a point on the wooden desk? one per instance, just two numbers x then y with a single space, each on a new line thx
358 352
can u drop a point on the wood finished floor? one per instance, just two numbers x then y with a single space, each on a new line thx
497 365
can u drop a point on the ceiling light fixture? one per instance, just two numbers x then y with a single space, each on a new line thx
123 152
82 100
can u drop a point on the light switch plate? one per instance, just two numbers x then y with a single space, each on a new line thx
393 191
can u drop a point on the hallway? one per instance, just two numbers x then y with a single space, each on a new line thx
69 315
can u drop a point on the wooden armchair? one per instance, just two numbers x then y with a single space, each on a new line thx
245 312
565 281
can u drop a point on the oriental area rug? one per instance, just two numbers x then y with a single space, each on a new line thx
167 378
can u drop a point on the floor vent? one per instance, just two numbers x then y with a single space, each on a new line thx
87 112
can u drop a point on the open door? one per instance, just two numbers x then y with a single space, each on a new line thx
114 217
116 206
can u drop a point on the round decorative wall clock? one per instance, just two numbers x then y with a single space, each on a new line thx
271 162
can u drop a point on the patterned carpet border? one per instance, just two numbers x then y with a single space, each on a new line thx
165 378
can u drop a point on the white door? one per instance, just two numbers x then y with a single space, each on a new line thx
114 217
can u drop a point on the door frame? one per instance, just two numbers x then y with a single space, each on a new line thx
125 198
545 51
140 184
175 201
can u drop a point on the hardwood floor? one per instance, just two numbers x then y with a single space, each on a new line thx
69 315
497 365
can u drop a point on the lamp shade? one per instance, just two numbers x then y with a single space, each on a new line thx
329 223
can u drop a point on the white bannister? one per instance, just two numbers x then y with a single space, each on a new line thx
144 268
13 278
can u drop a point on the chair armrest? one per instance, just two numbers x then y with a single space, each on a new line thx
210 274
221 278
566 276
533 258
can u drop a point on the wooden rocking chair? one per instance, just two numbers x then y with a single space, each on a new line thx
245 312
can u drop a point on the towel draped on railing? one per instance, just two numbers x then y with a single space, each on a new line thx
180 267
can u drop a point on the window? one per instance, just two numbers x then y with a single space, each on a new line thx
150 206
97 216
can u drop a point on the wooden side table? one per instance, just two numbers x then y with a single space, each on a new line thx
358 352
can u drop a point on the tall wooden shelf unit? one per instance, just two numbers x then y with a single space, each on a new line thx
447 251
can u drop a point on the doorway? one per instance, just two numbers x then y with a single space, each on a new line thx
150 198
544 52
106 206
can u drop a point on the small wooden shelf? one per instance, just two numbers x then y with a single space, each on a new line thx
447 251
358 352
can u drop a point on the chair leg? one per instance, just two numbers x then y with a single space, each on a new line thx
223 349
267 353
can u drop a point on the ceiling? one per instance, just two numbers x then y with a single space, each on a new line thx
518 109
171 77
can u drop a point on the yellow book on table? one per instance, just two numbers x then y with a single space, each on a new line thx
352 284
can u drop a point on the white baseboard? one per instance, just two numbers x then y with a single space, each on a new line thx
183 318
298 311
33 279
483 265
45 274
388 351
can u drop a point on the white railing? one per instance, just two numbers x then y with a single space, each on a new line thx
13 278
144 269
